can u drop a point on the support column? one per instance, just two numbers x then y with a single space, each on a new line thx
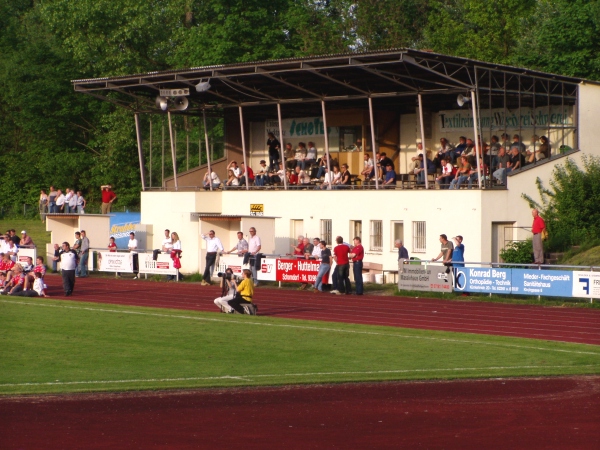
373 140
423 140
210 182
281 155
138 132
326 143
150 163
475 128
173 156
244 147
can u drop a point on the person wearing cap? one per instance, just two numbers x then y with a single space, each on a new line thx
390 177
446 252
108 197
262 174
26 240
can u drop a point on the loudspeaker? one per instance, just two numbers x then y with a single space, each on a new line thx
180 103
162 103
462 99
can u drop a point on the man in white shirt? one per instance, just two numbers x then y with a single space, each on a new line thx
68 262
68 197
132 246
12 251
254 246
316 252
73 202
213 246
166 246
60 202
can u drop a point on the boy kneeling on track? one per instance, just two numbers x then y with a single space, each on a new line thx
236 297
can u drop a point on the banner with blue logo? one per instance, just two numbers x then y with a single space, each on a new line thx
121 224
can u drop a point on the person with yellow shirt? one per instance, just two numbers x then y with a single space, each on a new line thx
242 303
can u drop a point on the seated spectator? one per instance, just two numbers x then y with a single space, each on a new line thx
444 179
289 153
503 163
262 174
474 175
345 178
311 155
28 266
26 240
300 155
6 266
39 266
322 165
214 178
459 149
383 162
462 174
420 172
336 176
232 180
516 143
492 158
34 287
445 149
303 177
544 149
515 161
233 165
2 280
325 184
277 177
12 250
368 170
17 281
292 177
390 177
246 171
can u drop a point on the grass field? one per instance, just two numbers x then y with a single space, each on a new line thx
49 346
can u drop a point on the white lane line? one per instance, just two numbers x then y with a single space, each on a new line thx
249 377
314 328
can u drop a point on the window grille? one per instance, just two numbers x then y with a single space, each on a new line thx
326 231
376 235
419 237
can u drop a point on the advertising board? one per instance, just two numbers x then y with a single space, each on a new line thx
162 266
289 270
431 278
115 262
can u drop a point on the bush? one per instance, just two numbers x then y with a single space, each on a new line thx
518 252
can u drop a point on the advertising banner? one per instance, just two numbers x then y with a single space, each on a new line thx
432 278
162 266
233 262
115 262
290 270
24 253
550 283
586 284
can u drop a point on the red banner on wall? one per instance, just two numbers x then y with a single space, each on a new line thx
290 270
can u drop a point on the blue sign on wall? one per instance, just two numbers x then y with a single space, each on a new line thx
121 224
554 283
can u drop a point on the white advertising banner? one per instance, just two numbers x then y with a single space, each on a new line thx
115 262
233 262
24 253
162 266
586 284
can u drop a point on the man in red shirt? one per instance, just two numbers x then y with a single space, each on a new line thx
340 255
537 228
108 197
357 255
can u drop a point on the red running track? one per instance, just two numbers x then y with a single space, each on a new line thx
579 325
551 413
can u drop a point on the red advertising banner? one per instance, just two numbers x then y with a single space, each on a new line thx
289 270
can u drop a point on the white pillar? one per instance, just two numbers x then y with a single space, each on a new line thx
138 132
281 155
173 156
244 147
373 140
475 128
207 152
326 142
423 140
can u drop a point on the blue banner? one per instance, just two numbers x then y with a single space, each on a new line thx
121 224
553 283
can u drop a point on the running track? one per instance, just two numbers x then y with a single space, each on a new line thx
581 325
544 413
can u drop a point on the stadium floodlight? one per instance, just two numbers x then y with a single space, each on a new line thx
203 86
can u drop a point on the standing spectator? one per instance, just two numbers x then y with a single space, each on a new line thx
357 255
402 251
80 203
52 200
254 246
537 228
340 255
68 195
213 246
446 252
324 267
175 249
59 207
242 245
132 245
458 254
112 245
56 258
39 266
307 246
316 252
85 253
43 204
273 145
68 262
108 197
73 202
77 249
26 240
299 247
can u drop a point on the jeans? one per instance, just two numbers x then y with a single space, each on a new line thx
83 261
458 181
52 207
323 269
80 209
343 278
358 280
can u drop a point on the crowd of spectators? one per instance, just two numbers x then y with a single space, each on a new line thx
56 201
20 276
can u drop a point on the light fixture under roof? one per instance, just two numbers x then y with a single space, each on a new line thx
203 86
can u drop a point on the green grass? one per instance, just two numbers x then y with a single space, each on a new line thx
49 346
34 227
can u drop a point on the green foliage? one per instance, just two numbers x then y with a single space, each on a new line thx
570 205
518 252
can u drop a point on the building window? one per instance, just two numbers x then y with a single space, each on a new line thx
355 229
419 237
376 235
397 233
326 231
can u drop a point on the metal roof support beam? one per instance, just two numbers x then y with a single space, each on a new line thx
391 78
244 147
138 133
335 80
206 144
282 156
254 91
373 143
266 74
329 175
173 153
412 61
423 139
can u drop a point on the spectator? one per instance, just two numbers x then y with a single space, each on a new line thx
175 249
544 150
68 197
38 290
59 206
458 253
303 177
299 247
459 149
446 252
290 162
56 258
323 267
112 247
85 253
39 266
254 246
43 204
6 266
166 245
516 143
232 180
462 174
443 180
216 181
340 255
336 177
277 177
73 202
17 281
26 240
68 262
368 171
233 166
246 171
322 166
300 155
132 245
52 200
108 197
28 266
12 250
357 255
390 177
316 251
311 155
13 236
228 289
81 202
515 161
537 228
325 184
445 150
262 174
308 247
77 248
273 145
241 248
402 251
503 163
420 172
345 178
213 246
